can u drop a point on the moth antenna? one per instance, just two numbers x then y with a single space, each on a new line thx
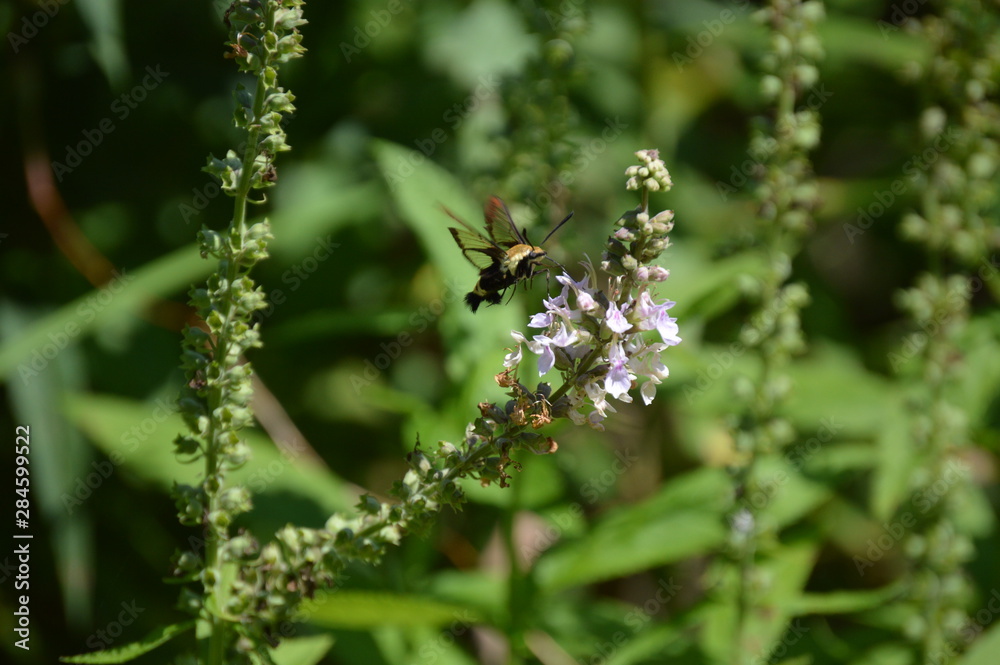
557 228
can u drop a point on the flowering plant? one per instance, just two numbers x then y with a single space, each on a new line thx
595 337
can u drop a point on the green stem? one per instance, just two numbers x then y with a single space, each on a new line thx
219 630
580 370
516 580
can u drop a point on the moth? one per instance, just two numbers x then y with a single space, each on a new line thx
504 256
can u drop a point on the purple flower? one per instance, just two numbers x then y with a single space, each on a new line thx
542 347
585 301
564 337
655 317
540 320
514 357
644 360
616 320
618 381
648 392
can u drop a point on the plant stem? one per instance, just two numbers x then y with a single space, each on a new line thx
516 580
218 636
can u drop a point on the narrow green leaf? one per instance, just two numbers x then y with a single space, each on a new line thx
891 481
843 602
112 305
784 493
706 287
772 620
833 390
985 648
657 641
302 650
39 403
420 187
684 519
359 610
128 652
124 299
140 437
891 653
789 570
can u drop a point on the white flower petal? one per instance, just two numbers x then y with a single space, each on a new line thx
648 392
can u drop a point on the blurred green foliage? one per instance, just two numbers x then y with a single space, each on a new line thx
397 116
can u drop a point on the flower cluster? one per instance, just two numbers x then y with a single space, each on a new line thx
595 337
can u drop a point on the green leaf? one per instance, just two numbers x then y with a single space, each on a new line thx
707 287
843 602
886 654
832 389
420 187
302 650
313 201
140 437
478 45
978 386
111 306
128 652
850 40
787 571
985 648
107 46
891 482
361 610
684 519
123 301
39 403
471 588
784 493
650 645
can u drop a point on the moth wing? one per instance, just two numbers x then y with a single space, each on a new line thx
500 224
477 248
